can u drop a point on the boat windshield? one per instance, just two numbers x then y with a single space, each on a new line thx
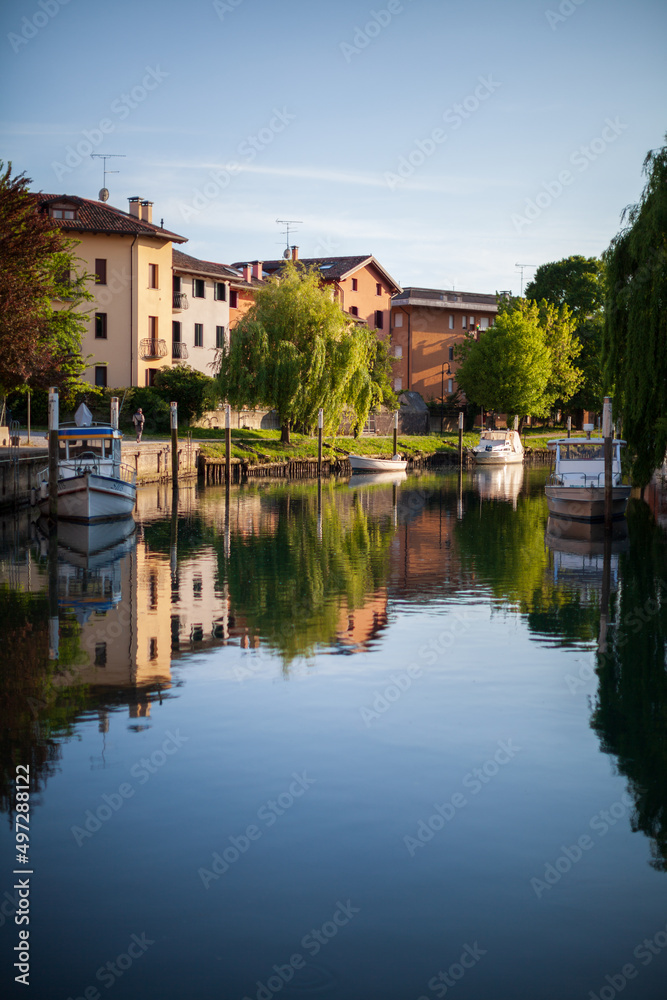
74 448
582 453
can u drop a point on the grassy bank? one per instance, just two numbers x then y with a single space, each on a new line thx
265 446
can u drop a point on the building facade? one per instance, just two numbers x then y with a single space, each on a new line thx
201 315
426 324
128 336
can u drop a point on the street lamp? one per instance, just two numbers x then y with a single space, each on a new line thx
445 364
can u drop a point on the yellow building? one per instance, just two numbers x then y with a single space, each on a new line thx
129 335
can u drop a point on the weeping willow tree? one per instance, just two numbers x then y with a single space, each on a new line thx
634 346
295 351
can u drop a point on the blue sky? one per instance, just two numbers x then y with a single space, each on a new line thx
450 139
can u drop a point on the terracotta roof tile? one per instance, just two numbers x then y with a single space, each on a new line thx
98 217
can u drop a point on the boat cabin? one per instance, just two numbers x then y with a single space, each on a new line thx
580 462
500 441
95 444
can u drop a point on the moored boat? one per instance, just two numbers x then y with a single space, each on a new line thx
367 463
93 484
498 448
575 489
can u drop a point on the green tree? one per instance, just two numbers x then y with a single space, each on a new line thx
40 294
192 390
578 282
295 351
634 345
509 368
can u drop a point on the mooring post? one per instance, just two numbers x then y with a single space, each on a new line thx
228 444
29 397
320 426
460 438
569 426
395 451
54 620
608 488
114 412
173 414
54 418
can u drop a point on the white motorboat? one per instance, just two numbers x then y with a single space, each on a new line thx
498 448
575 489
366 463
93 484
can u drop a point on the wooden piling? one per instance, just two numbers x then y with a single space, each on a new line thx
608 484
569 426
395 452
460 438
173 413
228 443
53 453
320 425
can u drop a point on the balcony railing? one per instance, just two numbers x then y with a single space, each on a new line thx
180 300
151 349
179 350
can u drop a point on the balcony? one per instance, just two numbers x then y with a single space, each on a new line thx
180 300
179 350
150 349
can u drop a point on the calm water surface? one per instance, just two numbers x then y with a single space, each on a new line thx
401 741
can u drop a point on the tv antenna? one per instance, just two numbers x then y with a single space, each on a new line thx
287 223
104 191
521 267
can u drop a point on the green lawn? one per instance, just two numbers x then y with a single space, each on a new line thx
265 446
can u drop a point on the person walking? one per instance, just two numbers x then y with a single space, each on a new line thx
139 420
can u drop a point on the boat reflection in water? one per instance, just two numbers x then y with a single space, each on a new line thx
499 482
376 479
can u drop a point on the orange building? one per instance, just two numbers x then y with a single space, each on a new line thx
426 323
242 294
360 284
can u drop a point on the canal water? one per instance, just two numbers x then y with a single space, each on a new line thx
401 740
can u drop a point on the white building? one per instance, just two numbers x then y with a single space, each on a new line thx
200 320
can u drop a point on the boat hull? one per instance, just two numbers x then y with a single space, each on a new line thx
488 458
360 463
585 503
90 498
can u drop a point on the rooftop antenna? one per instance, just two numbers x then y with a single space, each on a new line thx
521 267
104 191
288 223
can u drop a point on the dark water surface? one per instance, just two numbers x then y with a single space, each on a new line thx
395 741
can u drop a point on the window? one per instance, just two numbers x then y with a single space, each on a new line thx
100 654
176 283
198 288
150 375
398 319
379 319
472 322
355 284
398 384
484 322
100 326
233 299
354 311
101 376
100 271
199 334
378 289
398 351
450 385
219 336
152 327
152 649
451 322
63 213
220 291
152 276
176 332
463 322
451 353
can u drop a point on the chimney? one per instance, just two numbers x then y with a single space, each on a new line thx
247 272
147 211
135 206
295 253
257 269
